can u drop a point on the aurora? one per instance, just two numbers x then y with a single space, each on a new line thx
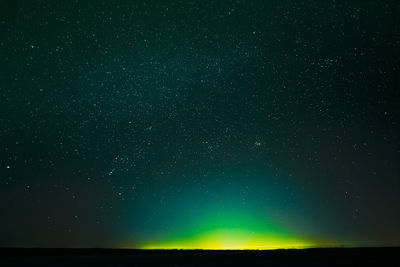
227 216
227 239
240 124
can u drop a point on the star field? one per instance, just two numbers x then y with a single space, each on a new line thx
199 124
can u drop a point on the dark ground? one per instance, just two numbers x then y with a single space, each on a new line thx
117 257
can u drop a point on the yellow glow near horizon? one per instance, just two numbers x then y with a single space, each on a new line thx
234 239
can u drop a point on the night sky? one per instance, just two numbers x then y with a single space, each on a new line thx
199 124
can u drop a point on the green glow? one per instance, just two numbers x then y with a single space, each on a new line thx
232 230
230 239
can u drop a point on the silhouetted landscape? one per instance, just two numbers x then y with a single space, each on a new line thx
127 257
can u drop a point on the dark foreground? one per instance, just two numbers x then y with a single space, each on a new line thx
122 257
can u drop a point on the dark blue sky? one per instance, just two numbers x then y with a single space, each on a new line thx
129 122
